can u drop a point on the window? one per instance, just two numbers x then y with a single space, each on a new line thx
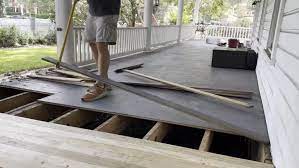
273 28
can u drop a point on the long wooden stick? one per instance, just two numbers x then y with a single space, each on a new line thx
197 91
222 92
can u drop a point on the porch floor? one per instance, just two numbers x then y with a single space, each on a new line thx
188 63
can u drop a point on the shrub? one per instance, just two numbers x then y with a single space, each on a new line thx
30 40
23 38
8 37
51 38
38 39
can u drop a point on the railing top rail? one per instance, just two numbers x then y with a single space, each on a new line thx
82 27
166 26
230 27
162 26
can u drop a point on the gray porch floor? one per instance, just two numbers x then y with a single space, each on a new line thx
187 63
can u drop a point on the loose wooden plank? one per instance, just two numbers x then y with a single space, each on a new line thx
75 118
158 132
18 100
222 92
72 74
197 91
29 143
55 78
206 141
116 124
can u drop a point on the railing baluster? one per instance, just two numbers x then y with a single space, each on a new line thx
130 40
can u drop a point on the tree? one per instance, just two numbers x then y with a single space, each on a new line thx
187 13
129 11
212 9
80 13
2 8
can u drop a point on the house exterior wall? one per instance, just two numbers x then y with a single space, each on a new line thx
278 79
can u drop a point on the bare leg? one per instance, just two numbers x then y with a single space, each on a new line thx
103 59
94 50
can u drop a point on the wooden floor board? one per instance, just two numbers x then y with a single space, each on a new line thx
29 143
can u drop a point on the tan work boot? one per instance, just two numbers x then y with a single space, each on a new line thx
95 93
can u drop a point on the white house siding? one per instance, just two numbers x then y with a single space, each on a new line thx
279 84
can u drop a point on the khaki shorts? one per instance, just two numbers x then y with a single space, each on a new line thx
101 29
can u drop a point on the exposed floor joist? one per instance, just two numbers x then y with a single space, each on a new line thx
264 153
76 118
38 111
158 132
29 143
206 141
116 124
17 100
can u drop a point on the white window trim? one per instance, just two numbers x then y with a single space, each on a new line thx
277 31
263 15
273 26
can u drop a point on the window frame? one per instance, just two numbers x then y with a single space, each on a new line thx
273 28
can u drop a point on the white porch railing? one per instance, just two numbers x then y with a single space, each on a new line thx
131 40
164 34
242 33
188 32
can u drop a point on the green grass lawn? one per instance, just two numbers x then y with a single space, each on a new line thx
19 59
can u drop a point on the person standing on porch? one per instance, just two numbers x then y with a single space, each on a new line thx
100 31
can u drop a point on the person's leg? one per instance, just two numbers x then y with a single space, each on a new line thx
103 59
105 34
94 50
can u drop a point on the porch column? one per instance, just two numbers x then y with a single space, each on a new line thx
63 9
180 18
196 11
147 15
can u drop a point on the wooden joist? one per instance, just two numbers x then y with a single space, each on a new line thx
264 154
116 124
76 118
206 141
6 92
17 100
158 132
38 111
33 110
